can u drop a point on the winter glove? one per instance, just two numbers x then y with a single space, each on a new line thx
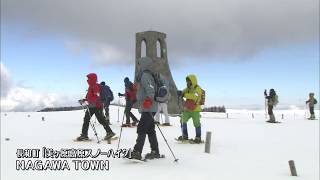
119 94
81 101
190 104
147 103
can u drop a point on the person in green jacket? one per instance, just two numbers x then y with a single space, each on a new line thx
311 101
192 97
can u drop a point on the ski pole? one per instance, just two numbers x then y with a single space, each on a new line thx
175 159
120 131
118 108
93 128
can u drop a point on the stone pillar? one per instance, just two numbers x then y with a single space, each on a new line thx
159 62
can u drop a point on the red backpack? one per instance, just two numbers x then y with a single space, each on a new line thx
132 94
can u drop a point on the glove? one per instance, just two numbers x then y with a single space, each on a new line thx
179 93
265 92
190 104
81 101
147 103
119 94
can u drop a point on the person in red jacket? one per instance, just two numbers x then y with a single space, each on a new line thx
131 99
95 107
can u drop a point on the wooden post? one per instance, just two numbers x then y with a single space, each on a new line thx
292 168
208 142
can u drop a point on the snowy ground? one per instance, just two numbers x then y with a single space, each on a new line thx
243 147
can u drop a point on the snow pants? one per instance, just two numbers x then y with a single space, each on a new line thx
100 117
146 127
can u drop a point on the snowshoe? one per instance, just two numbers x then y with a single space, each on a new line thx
134 123
197 140
182 139
126 125
82 138
166 124
109 136
134 156
273 121
154 155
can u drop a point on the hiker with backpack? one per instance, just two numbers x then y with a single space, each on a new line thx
106 98
163 97
94 107
147 108
193 97
131 98
311 102
272 101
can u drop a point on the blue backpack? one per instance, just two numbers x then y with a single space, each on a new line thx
106 94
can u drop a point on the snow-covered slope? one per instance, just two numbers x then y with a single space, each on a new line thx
243 147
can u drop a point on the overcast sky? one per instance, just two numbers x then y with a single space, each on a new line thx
202 31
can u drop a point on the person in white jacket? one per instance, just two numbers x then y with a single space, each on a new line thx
163 106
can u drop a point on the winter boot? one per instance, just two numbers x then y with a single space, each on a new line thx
197 140
182 138
272 119
82 138
134 155
109 135
312 117
152 155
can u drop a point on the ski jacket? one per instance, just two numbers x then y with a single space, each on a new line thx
272 100
312 101
131 91
93 94
146 85
193 94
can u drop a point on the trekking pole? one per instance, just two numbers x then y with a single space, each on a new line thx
306 111
175 159
265 108
92 125
120 131
118 109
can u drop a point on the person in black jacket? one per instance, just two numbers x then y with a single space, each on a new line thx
272 101
311 101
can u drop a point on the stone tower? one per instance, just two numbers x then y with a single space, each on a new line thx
156 49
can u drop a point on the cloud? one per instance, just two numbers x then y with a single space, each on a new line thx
5 80
102 54
204 29
18 98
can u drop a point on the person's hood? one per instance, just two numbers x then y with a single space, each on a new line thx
144 63
92 79
193 80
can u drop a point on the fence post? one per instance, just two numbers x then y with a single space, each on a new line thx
292 168
208 142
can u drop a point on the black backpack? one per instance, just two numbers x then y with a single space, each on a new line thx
106 94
